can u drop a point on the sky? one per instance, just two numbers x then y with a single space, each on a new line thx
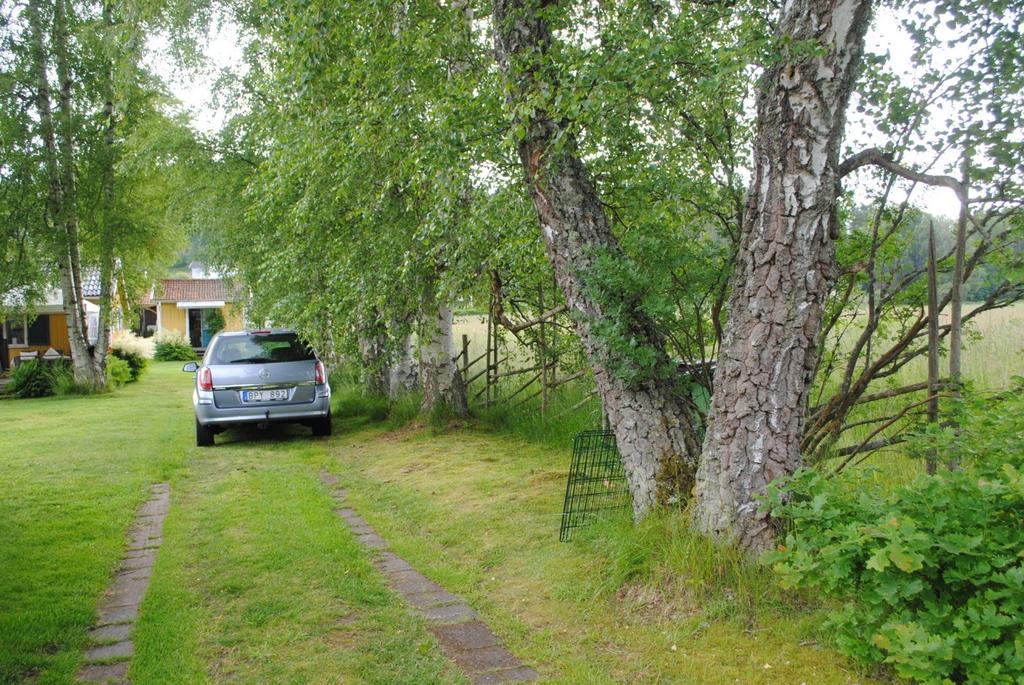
223 51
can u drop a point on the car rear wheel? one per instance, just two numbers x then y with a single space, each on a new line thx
204 435
322 427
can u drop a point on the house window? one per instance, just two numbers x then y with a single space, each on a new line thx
39 331
21 332
16 332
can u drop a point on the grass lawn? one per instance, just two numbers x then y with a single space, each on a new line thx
258 581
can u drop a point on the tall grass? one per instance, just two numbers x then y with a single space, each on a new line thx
570 409
993 355
662 559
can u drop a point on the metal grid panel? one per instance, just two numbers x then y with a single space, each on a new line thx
596 480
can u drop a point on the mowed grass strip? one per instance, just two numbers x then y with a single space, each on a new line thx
259 582
72 473
479 514
256 580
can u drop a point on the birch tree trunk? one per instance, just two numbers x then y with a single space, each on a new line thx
86 370
443 387
107 190
403 374
784 270
653 427
373 348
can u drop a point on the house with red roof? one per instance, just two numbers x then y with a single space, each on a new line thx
194 307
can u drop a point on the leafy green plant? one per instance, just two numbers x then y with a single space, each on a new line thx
214 321
64 384
136 364
30 379
118 372
931 573
172 346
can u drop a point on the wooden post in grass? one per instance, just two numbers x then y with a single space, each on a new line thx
542 354
554 344
956 304
465 358
933 343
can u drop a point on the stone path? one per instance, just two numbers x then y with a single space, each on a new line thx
106 659
463 637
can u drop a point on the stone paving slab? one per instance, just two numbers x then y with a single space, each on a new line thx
118 650
110 641
430 599
389 562
115 632
468 635
104 673
464 638
448 613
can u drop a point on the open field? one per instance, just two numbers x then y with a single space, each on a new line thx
258 582
993 356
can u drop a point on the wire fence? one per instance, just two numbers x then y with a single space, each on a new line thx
596 481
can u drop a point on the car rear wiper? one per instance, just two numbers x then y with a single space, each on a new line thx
252 360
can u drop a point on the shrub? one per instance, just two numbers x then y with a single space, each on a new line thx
215 321
136 364
129 343
64 382
30 379
172 346
118 372
932 573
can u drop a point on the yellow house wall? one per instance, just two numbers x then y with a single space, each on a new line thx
233 319
59 334
172 318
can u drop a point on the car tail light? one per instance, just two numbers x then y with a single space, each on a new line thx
319 373
205 378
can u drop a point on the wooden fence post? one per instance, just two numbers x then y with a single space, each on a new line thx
933 344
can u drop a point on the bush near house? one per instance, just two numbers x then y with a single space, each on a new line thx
931 573
134 350
215 321
172 346
30 379
118 372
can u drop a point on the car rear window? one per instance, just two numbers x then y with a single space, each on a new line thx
260 348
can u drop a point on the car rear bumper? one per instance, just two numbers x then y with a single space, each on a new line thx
209 414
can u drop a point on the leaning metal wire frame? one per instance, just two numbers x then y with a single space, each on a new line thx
596 481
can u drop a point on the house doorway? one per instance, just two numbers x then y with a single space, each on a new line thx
199 332
147 322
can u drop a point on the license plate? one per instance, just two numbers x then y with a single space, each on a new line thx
264 395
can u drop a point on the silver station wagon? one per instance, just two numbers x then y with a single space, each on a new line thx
259 377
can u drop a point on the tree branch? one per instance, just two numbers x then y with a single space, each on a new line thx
878 158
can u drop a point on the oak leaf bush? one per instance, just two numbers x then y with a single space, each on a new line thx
931 573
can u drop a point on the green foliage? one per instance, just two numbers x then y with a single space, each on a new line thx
664 551
931 573
118 372
572 409
30 379
136 363
348 402
214 319
404 410
173 347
